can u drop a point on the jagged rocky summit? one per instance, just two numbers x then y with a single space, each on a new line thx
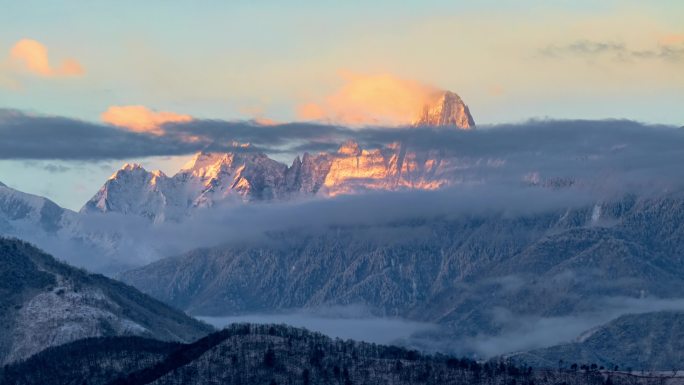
448 109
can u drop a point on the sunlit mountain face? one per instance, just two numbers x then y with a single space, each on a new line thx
415 192
445 109
211 178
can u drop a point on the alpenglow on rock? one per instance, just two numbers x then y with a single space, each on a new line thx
217 178
244 175
448 109
208 178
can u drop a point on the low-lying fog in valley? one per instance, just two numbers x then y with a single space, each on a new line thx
340 322
518 331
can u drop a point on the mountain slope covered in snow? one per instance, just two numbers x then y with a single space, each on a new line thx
492 280
45 303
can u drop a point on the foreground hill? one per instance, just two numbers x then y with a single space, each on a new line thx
45 303
96 360
263 354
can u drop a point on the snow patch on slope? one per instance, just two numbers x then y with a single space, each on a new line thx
66 314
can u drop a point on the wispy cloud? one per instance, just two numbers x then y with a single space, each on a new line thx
56 168
670 48
48 166
675 38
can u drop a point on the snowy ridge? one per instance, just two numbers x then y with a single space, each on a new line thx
216 178
65 314
50 303
21 211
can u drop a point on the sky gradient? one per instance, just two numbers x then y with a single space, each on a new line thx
288 61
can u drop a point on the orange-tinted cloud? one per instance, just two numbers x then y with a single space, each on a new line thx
672 39
265 121
311 111
496 90
256 114
141 118
371 99
32 56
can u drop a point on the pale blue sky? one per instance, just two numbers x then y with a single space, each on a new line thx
509 60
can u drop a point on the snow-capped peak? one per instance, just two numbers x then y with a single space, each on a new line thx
203 159
446 109
132 167
350 147
128 168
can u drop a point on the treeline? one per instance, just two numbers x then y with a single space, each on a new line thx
245 354
88 361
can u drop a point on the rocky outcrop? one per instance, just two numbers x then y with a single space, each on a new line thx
447 109
216 178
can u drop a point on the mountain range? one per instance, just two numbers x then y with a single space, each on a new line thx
211 179
495 283
525 285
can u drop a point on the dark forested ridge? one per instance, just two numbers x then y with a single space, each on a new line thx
44 303
91 360
268 354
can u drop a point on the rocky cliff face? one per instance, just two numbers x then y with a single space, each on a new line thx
447 109
215 178
395 167
209 178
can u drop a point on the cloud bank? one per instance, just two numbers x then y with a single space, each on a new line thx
52 137
346 322
615 153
